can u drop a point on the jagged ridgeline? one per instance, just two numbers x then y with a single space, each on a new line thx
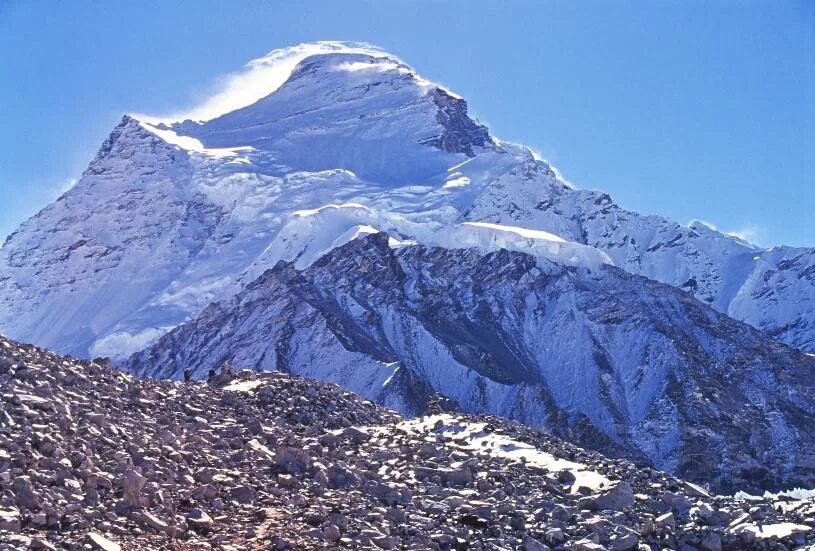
613 361
357 224
91 457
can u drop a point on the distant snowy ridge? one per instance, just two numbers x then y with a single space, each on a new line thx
329 142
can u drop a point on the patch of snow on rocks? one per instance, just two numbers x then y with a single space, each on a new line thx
243 386
476 437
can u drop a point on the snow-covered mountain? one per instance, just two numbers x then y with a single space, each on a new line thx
610 360
421 255
170 216
772 289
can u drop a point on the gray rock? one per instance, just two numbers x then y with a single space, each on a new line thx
331 532
711 542
678 503
618 498
24 494
100 542
666 521
626 539
10 520
531 544
132 483
242 494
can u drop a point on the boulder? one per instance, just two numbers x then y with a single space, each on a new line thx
100 542
618 498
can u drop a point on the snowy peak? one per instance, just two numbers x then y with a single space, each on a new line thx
365 112
126 145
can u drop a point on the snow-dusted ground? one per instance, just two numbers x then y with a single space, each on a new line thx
775 530
244 386
799 500
476 438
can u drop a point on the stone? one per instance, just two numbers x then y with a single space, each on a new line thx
10 520
666 520
42 544
242 494
711 542
531 544
24 494
566 476
677 502
132 483
331 532
292 460
100 542
694 490
704 511
98 419
554 536
199 520
618 498
151 521
626 539
457 477
587 545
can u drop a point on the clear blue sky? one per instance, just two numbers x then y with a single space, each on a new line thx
688 108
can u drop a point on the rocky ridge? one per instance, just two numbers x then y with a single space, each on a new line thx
608 360
92 458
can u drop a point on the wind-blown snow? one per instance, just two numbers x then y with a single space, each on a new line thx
259 78
191 144
541 244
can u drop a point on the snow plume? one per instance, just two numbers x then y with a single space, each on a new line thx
66 185
259 78
750 234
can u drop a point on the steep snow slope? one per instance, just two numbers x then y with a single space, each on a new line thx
610 360
347 140
770 289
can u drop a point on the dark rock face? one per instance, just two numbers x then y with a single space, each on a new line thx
461 133
94 457
611 361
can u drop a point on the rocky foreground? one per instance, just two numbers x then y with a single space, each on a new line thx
92 458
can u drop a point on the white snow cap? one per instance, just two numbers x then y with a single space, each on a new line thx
262 76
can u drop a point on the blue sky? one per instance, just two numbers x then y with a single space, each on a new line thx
691 109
